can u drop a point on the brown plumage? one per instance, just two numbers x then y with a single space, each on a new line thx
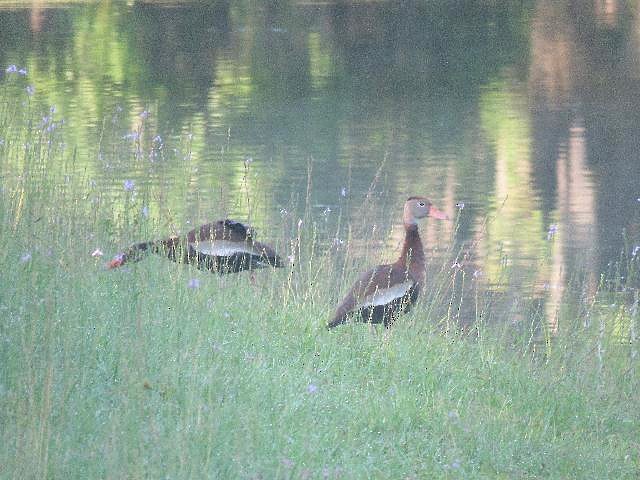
385 291
224 246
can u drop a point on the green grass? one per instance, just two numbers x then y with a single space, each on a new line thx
132 374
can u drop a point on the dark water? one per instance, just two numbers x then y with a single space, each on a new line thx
519 118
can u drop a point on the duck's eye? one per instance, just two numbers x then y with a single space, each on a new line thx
421 204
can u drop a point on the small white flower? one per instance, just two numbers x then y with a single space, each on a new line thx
97 253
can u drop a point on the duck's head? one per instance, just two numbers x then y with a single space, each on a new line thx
416 208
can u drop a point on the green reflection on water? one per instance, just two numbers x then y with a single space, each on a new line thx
435 93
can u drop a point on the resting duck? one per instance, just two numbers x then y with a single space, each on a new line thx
385 291
224 246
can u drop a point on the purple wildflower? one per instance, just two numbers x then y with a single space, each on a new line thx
194 283
145 211
343 191
636 249
11 69
25 257
131 136
129 185
312 389
144 114
553 229
30 90
22 71
460 205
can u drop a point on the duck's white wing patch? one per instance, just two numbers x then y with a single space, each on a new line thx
221 248
382 296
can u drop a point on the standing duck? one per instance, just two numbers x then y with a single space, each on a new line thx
385 291
224 246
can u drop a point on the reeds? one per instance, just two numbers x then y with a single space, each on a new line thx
144 372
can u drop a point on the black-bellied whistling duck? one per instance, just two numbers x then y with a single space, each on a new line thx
385 291
224 246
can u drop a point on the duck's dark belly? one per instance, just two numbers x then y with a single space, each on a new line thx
388 312
230 263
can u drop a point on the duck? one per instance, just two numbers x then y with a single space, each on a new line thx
223 246
381 294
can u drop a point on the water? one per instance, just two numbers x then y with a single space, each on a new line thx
520 120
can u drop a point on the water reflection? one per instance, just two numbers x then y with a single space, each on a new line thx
524 113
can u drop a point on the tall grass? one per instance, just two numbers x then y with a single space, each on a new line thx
137 373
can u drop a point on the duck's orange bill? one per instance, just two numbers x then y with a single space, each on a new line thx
115 263
439 214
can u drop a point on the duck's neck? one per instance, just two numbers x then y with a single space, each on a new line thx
412 255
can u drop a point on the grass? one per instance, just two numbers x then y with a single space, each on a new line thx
133 374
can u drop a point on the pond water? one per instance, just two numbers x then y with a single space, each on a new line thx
519 119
